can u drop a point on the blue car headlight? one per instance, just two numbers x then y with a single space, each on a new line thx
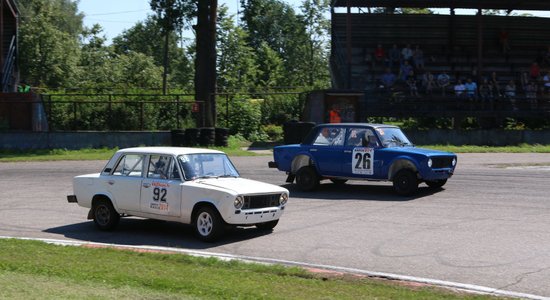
430 162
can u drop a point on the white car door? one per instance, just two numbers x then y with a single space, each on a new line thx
124 183
161 187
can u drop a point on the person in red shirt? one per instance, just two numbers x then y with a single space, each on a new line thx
534 71
379 53
334 115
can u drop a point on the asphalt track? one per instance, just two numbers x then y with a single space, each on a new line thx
488 227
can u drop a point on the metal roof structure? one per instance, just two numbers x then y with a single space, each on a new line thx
475 4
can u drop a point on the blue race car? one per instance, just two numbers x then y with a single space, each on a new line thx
358 151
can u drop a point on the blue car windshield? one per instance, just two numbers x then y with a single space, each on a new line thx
206 166
393 137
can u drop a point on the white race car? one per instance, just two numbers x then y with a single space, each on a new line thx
187 185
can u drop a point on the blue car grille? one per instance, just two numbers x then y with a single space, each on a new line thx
261 201
439 162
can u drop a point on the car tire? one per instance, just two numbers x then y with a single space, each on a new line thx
307 178
436 183
267 225
338 181
405 182
105 216
208 224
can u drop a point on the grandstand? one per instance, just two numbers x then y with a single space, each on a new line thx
460 45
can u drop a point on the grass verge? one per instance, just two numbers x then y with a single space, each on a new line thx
234 149
35 270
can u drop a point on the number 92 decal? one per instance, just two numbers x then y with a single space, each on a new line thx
362 161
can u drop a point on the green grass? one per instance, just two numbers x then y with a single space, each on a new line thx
35 270
235 149
523 148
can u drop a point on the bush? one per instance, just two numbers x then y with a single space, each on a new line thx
274 132
245 116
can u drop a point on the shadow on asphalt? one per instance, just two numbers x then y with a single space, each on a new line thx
137 232
358 191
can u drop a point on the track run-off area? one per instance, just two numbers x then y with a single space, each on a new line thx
487 227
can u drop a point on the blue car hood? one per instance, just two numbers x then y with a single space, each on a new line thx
423 151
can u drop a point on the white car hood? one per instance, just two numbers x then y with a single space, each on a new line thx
242 186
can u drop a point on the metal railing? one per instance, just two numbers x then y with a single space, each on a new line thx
9 64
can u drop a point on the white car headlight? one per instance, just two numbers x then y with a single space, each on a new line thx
429 162
239 202
454 162
283 199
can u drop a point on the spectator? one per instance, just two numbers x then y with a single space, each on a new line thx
394 56
388 79
368 57
418 57
471 89
485 91
334 115
443 81
407 53
428 82
531 93
460 89
379 54
524 80
510 90
546 82
23 87
405 69
411 82
495 84
534 71
510 93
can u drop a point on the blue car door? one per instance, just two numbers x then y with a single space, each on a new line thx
326 150
359 154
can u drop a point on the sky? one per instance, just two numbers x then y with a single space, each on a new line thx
117 15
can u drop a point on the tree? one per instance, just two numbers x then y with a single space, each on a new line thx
144 37
294 38
318 29
48 42
170 15
100 67
237 68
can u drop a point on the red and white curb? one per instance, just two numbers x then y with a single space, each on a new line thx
314 267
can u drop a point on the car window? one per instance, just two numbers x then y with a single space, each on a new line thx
393 137
362 137
356 137
330 136
162 167
129 165
206 165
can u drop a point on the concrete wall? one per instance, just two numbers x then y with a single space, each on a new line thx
492 137
82 139
123 139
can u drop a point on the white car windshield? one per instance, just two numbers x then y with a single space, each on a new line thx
206 166
393 137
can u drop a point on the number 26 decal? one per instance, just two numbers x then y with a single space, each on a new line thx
362 161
